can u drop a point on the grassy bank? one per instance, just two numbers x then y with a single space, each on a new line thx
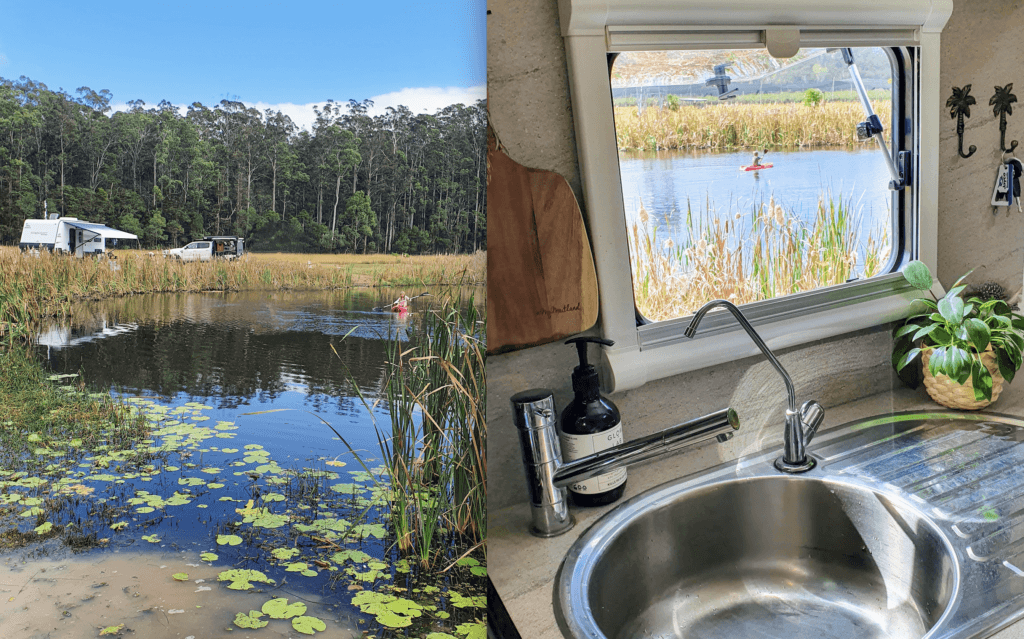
731 126
34 285
777 256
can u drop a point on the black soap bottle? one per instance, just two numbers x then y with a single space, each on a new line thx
589 425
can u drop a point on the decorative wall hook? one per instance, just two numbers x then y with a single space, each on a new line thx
960 107
1000 103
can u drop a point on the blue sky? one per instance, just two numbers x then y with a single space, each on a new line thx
287 55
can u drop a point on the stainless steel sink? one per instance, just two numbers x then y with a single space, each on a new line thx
884 539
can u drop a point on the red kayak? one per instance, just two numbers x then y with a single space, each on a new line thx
755 168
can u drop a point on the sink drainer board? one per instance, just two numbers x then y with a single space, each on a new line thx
912 526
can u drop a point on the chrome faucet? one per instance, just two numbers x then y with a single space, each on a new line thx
801 425
548 477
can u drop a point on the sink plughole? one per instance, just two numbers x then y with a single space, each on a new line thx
758 557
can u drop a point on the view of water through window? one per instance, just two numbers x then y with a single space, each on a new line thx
743 177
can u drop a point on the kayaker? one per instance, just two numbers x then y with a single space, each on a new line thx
757 159
402 303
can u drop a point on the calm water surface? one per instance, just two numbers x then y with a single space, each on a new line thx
213 372
665 181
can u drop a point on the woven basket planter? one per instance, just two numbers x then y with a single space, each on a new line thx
947 392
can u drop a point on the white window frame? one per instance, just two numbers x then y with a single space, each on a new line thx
593 29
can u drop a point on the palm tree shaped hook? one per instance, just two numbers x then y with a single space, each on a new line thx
1000 103
959 107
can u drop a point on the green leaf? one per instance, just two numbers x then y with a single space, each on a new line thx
958 364
982 381
180 576
955 291
308 625
962 278
925 331
230 540
208 556
978 332
940 336
280 608
1006 367
918 275
909 357
936 360
952 309
906 330
252 620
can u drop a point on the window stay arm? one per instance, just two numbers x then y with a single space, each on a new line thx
873 126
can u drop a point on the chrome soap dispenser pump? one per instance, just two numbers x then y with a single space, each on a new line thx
588 425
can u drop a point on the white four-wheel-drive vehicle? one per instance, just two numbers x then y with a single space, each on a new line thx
208 248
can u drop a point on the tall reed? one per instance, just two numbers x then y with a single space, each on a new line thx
435 446
773 254
730 126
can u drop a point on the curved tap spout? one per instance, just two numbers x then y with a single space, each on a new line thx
794 458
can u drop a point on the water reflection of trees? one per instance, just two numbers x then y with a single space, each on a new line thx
230 364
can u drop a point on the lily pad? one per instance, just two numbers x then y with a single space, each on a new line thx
230 540
308 625
153 539
460 601
280 609
240 579
44 528
284 554
390 611
251 620
180 576
111 630
357 556
474 630
208 556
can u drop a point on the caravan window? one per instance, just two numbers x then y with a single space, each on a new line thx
203 245
743 177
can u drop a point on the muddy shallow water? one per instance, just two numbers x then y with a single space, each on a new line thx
241 483
75 598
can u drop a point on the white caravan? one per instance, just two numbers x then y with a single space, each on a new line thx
71 235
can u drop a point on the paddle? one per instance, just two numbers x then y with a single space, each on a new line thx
379 309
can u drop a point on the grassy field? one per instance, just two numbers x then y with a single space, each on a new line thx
47 284
731 126
779 256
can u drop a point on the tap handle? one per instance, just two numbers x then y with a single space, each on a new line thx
811 416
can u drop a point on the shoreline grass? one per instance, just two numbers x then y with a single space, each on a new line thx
735 126
778 256
434 445
34 285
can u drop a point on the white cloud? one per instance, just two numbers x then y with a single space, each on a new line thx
418 100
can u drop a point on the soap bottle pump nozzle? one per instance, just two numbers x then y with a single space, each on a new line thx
584 377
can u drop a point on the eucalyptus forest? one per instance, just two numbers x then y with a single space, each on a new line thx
396 182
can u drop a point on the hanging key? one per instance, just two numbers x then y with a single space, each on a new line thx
1002 193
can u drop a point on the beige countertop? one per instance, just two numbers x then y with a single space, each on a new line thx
523 568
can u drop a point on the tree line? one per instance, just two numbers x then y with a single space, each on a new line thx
396 182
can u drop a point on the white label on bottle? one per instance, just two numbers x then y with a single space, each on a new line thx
577 446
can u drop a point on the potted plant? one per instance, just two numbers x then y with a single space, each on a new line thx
967 348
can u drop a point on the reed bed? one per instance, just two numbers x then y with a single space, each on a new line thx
435 444
36 284
777 255
731 126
